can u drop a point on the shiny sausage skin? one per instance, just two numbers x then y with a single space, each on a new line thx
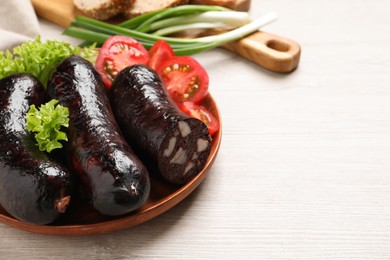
33 187
154 126
115 180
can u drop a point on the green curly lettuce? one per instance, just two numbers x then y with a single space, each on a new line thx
38 58
47 123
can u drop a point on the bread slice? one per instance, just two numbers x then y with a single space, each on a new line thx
102 9
140 7
238 5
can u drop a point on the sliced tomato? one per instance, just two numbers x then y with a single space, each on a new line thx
185 79
117 53
160 52
201 113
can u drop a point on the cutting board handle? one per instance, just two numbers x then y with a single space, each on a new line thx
273 52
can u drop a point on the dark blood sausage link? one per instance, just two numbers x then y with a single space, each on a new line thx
153 124
114 179
33 188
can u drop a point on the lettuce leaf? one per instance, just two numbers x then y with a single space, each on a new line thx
47 123
38 58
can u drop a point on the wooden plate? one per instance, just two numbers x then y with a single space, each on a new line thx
81 219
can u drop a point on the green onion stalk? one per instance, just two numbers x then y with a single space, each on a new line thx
158 25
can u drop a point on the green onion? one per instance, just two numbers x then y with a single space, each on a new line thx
227 17
138 20
184 27
178 11
154 26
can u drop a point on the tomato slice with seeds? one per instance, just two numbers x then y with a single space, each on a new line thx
185 79
159 53
117 53
201 113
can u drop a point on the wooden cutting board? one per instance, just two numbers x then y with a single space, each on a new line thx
270 51
61 12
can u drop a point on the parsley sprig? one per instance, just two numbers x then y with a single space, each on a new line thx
47 123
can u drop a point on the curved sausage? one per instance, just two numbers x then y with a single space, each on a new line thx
33 188
155 127
115 180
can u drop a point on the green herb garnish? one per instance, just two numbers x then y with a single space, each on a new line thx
47 122
38 58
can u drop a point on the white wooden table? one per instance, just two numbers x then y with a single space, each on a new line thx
303 171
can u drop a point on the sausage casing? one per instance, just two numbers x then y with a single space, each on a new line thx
33 187
114 179
154 126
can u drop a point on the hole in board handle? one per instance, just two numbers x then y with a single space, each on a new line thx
278 45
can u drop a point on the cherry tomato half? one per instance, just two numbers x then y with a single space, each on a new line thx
160 52
201 113
185 79
117 53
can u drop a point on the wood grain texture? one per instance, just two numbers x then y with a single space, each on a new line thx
272 52
303 171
